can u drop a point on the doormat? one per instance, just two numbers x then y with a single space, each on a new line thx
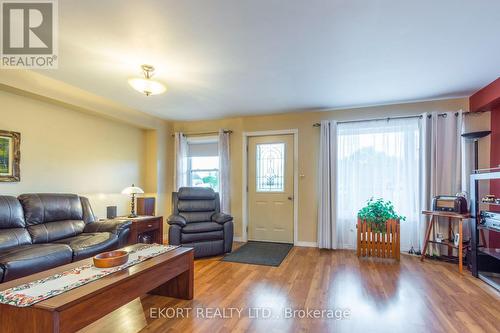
260 253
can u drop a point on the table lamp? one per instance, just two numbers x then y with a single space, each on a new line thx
132 191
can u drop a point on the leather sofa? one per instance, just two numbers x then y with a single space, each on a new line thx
197 222
43 231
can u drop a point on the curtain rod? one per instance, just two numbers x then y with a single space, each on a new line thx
402 117
204 133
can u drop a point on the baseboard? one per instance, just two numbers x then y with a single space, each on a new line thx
299 243
306 244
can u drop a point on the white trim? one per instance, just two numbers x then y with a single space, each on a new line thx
306 244
299 243
295 133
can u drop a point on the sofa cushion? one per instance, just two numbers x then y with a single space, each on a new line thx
89 244
201 227
50 207
13 237
196 206
29 259
196 216
196 193
11 213
202 236
12 225
52 231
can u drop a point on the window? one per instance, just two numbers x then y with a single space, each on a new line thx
270 170
378 159
203 163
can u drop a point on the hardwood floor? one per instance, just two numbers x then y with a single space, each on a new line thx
382 296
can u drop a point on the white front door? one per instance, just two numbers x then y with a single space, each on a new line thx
270 188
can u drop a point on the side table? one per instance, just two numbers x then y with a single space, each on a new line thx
449 242
151 225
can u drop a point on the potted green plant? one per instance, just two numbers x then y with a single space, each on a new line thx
378 229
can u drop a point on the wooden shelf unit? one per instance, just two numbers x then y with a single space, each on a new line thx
434 215
480 253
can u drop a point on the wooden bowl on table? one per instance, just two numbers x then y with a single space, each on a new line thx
110 259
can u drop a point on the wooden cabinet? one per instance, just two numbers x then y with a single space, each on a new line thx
151 225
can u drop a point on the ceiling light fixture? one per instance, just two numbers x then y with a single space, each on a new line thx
147 86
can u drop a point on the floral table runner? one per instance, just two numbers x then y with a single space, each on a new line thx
37 291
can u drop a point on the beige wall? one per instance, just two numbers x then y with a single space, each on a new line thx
63 150
308 148
159 175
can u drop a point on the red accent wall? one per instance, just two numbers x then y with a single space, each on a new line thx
488 98
495 137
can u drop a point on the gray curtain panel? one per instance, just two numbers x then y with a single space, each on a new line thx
181 163
442 163
224 172
327 175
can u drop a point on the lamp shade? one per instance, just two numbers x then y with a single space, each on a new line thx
147 86
476 135
132 190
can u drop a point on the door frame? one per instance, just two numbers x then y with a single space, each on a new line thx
246 135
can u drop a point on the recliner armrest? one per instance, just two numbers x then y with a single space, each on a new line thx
177 219
113 226
221 218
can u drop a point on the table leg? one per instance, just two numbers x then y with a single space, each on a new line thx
180 286
460 246
427 235
450 237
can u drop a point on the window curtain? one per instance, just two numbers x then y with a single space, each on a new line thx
224 172
442 165
327 176
181 162
379 159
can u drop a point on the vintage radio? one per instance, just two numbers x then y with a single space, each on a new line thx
490 220
448 203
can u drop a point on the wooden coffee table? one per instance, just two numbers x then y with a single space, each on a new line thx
169 274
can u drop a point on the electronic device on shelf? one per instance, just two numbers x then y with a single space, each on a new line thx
490 220
490 198
450 203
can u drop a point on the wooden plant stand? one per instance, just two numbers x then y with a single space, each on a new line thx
378 244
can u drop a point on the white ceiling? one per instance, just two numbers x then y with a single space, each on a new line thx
224 58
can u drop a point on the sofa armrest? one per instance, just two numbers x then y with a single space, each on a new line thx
113 226
88 213
174 235
177 220
221 218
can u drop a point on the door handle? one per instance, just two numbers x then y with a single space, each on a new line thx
290 198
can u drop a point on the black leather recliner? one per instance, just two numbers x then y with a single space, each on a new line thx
43 231
197 222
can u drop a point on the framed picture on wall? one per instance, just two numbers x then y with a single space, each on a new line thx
10 156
